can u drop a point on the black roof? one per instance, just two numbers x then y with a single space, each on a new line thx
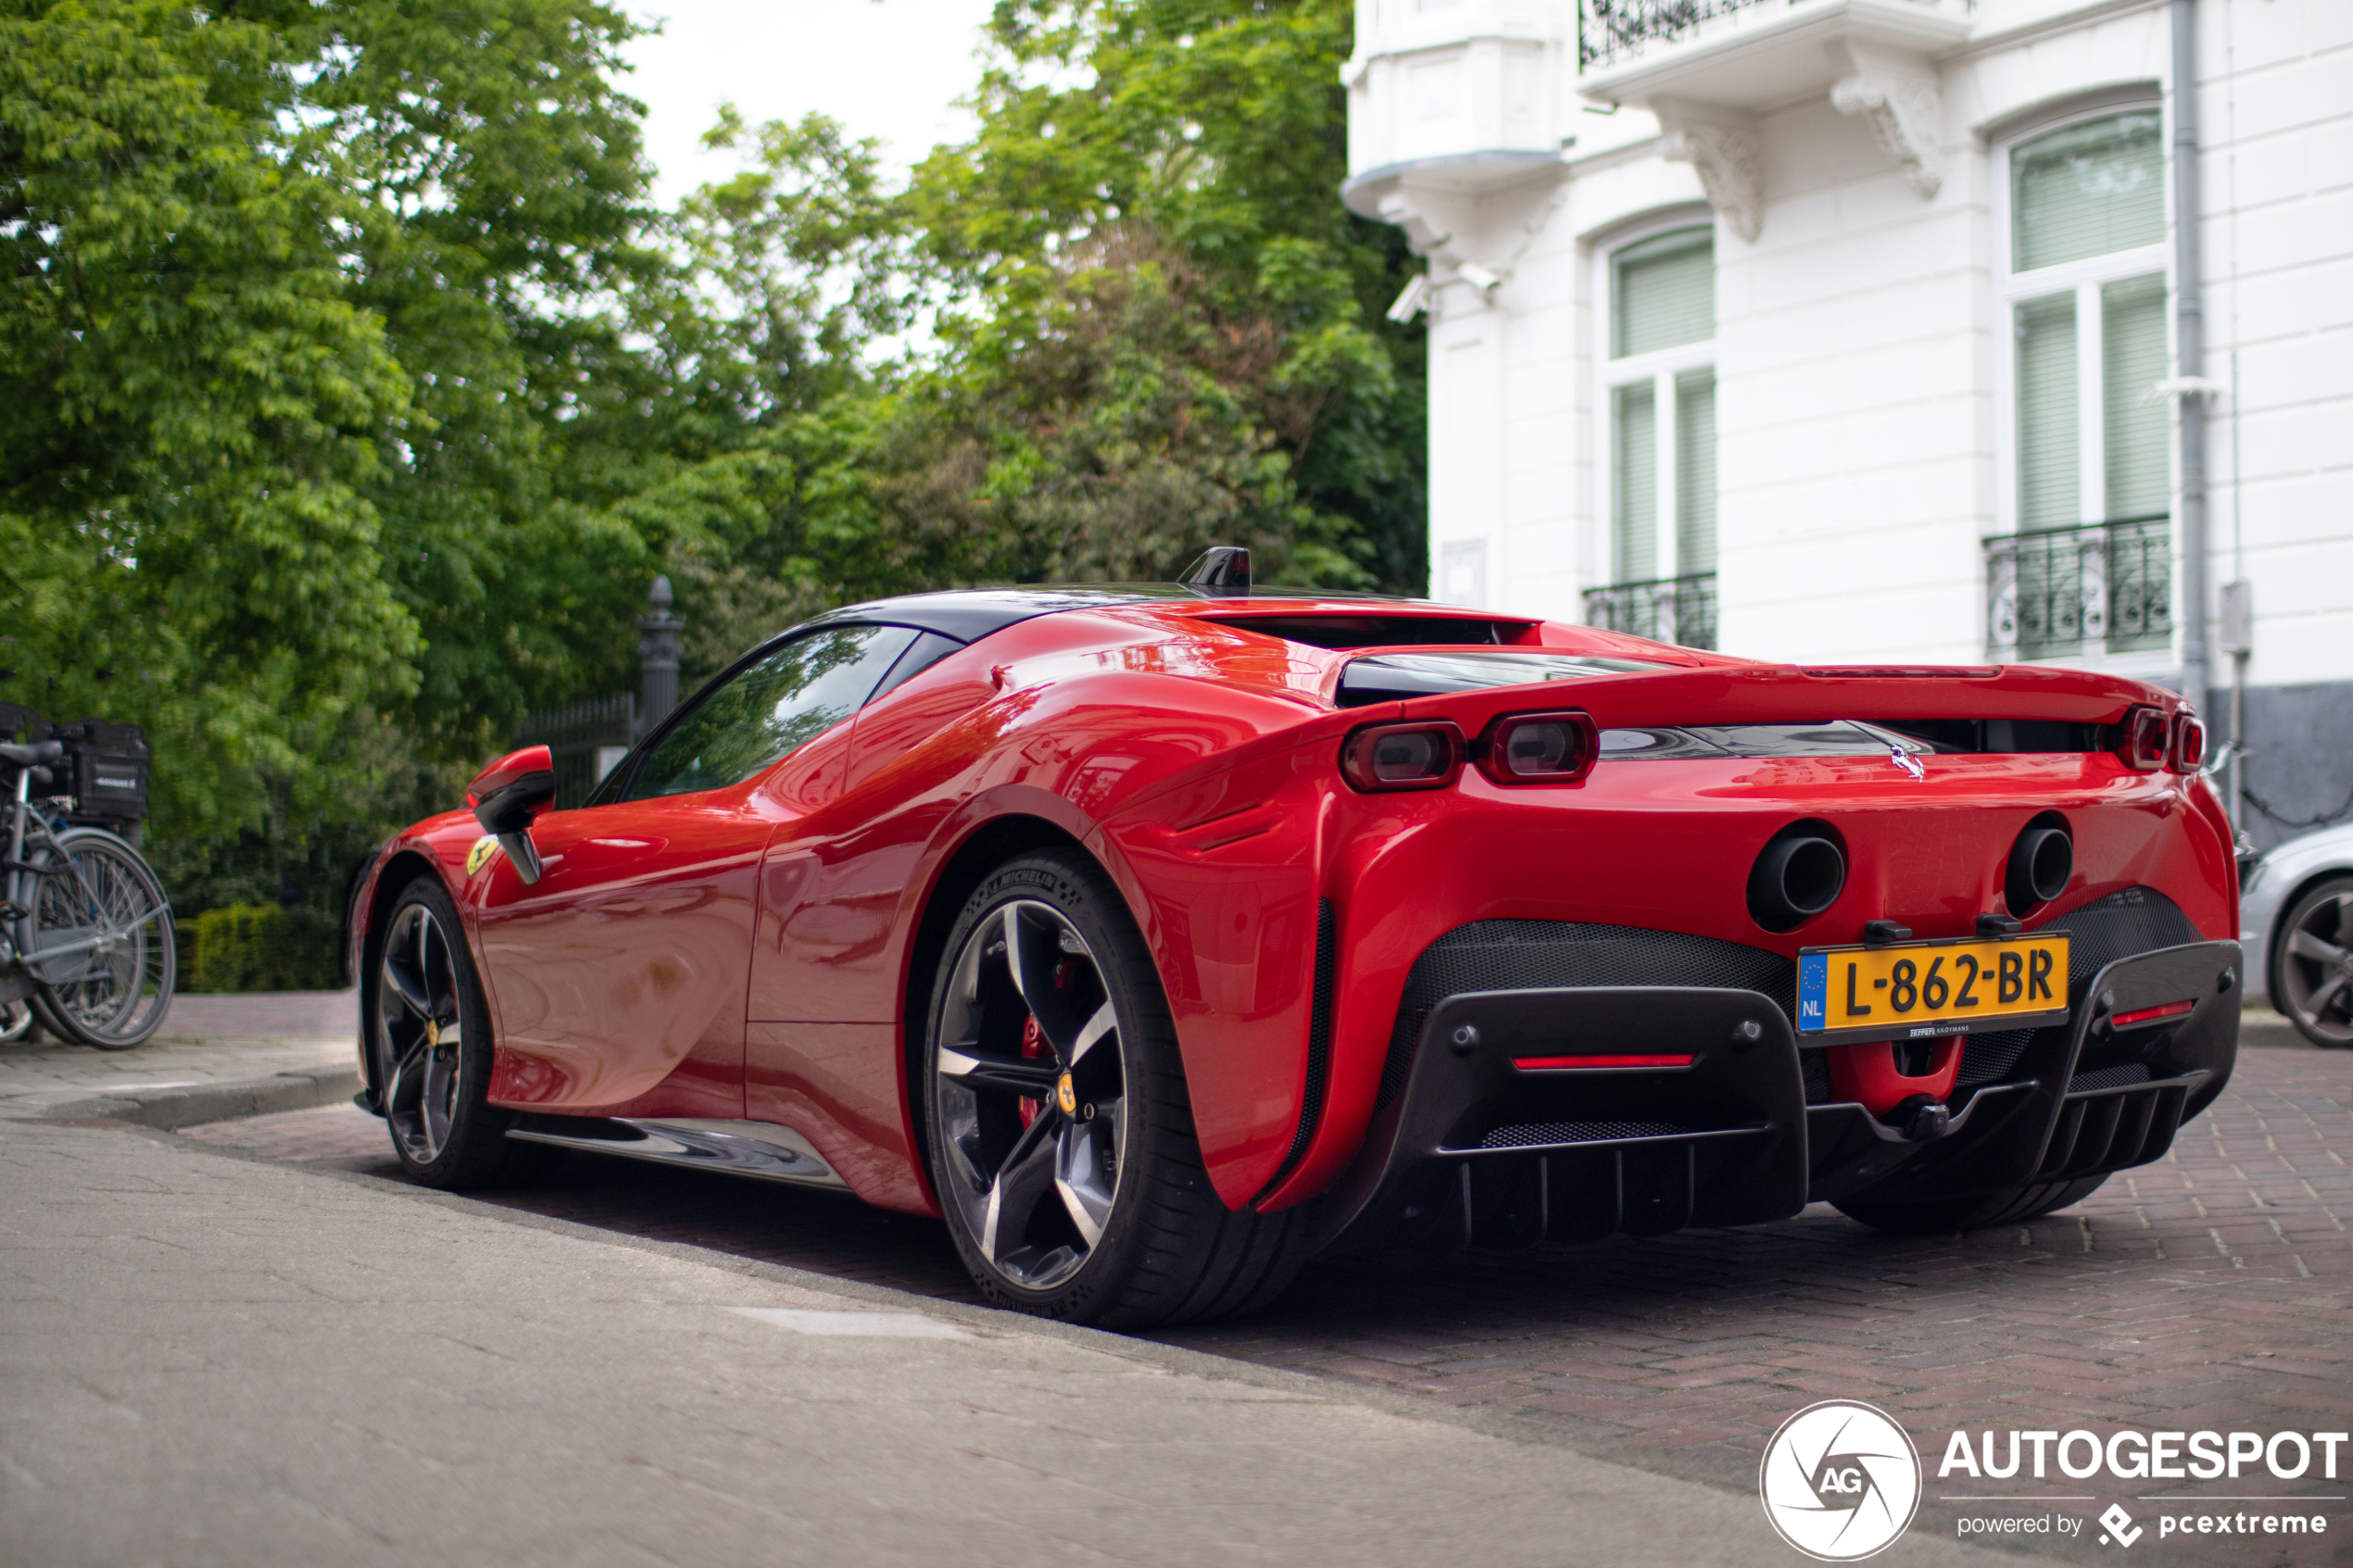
969 614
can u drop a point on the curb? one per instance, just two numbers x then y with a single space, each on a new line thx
169 1109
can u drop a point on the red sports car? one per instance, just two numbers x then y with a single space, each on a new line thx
1157 938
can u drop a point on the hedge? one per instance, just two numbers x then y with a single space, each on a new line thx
260 947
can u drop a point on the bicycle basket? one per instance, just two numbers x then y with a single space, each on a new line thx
105 768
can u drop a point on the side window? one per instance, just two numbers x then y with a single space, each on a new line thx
769 708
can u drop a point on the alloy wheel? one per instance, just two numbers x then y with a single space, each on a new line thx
420 1044
1031 1095
2316 967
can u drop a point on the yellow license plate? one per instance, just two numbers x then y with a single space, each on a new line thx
1907 990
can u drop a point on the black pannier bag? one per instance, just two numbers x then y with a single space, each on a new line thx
105 770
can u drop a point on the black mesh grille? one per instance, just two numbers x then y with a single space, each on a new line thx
2108 1077
2135 919
1988 1058
1528 954
1816 1066
1526 1134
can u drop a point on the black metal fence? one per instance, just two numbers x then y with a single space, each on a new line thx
586 738
1672 610
2096 588
1609 31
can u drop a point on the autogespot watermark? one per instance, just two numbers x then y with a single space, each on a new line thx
2010 1454
1842 1480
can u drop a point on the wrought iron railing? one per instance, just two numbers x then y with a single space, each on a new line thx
582 738
2100 587
1609 31
1672 610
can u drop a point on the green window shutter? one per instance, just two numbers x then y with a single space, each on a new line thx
1695 473
2132 346
2048 444
1633 415
1666 293
2087 190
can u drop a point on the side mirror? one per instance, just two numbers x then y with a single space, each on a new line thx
506 794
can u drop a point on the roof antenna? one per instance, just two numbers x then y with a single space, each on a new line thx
1223 571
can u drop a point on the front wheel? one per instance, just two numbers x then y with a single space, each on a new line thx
1059 1133
2011 1205
100 942
429 1035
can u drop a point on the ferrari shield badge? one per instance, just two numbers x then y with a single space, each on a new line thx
479 856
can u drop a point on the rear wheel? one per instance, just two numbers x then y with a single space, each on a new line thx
2312 969
2009 1207
428 1033
1060 1132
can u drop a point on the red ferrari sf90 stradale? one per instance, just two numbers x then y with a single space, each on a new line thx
1157 938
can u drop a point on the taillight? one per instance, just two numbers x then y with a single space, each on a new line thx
2146 739
1526 748
1390 757
2189 745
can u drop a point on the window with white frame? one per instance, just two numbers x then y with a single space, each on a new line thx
2086 567
1659 383
2085 289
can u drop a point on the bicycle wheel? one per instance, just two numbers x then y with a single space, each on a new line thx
98 900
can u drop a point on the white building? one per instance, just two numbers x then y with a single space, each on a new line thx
1850 329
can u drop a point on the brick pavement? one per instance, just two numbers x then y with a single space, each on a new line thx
2210 1289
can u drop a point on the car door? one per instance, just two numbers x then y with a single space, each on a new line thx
620 976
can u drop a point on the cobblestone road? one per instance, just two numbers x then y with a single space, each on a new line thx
2210 1289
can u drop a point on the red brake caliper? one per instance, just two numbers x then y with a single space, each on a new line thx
1033 1045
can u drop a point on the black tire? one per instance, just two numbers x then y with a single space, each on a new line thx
2009 1207
2311 981
432 1089
999 1118
116 998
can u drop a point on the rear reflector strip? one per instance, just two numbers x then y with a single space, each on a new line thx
1553 1063
2150 1015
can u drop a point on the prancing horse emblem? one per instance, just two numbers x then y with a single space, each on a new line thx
1907 761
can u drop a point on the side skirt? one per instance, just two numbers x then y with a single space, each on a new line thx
762 1150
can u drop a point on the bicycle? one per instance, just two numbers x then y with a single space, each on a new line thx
85 929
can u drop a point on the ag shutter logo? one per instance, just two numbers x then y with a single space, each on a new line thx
1840 1481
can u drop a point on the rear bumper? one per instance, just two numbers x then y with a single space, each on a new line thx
1491 1144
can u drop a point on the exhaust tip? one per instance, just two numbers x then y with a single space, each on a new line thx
1800 873
2042 862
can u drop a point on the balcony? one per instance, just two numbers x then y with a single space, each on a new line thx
1668 609
2081 593
1609 32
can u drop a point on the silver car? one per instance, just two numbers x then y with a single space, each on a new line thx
2296 919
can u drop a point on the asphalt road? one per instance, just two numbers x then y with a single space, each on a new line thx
211 1358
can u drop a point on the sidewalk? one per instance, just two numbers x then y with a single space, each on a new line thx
215 1359
215 1056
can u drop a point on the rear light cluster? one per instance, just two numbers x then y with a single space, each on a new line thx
2150 741
1515 748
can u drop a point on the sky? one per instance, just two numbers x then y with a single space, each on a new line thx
886 69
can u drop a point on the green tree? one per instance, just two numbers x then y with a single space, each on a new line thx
1156 180
193 402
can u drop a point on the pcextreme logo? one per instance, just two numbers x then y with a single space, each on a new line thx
1840 1481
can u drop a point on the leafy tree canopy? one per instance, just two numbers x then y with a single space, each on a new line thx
355 389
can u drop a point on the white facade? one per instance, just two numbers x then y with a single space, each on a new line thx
1852 158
